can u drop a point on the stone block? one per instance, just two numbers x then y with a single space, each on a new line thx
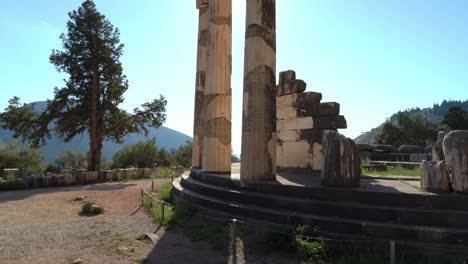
341 164
292 87
301 100
60 180
287 76
455 146
295 123
69 179
437 150
293 112
331 122
79 175
106 175
309 135
91 176
10 174
293 154
329 109
46 180
435 177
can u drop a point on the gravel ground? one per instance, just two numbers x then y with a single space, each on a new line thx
44 226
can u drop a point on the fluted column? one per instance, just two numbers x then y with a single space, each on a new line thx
258 160
217 112
202 6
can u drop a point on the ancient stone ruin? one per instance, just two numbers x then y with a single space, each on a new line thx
300 121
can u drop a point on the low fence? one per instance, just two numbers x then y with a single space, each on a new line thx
78 177
251 224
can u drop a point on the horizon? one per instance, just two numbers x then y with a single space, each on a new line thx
413 52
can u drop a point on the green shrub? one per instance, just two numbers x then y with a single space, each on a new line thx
90 208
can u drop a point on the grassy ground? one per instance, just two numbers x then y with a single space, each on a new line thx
393 171
299 243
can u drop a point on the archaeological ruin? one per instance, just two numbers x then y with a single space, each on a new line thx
295 166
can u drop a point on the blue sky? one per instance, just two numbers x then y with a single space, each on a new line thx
374 57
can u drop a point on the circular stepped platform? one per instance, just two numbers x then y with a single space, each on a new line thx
366 212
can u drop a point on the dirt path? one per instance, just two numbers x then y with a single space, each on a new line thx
44 226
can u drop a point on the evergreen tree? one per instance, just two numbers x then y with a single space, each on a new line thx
456 118
95 87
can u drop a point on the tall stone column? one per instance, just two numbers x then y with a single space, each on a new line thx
258 160
217 112
202 6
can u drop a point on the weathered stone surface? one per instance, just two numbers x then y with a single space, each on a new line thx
294 154
411 149
46 180
287 76
295 123
202 49
437 149
329 109
428 149
341 165
419 157
434 177
293 87
293 112
455 146
201 3
79 175
258 113
69 179
90 176
216 149
301 100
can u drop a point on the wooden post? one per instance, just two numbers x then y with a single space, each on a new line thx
142 197
152 185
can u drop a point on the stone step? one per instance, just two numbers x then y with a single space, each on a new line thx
357 211
380 198
374 229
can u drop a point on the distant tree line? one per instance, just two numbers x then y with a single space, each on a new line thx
408 128
144 154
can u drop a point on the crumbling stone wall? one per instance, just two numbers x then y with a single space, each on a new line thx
300 120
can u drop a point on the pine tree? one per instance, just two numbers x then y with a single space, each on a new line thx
95 87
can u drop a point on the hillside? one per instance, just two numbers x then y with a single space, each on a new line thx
435 114
165 138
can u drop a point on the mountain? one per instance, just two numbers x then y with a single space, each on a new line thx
435 114
165 138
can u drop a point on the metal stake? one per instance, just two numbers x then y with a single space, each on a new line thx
162 213
234 242
142 195
392 251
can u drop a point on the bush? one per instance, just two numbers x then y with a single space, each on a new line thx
91 208
141 155
28 160
183 155
71 160
52 169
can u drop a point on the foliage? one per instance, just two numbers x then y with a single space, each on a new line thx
394 171
26 159
165 172
140 155
95 87
89 208
71 160
408 130
183 155
234 158
52 169
456 118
